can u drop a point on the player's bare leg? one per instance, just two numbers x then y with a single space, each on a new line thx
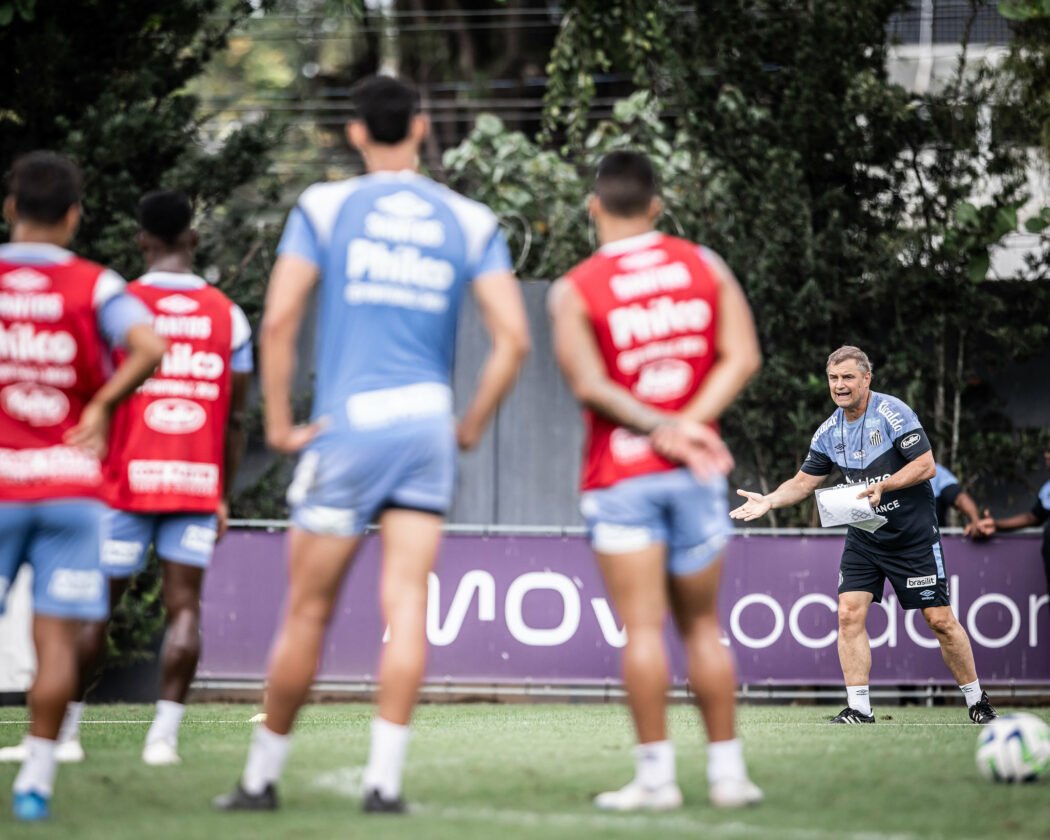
694 604
317 565
955 644
91 651
958 656
410 545
855 656
710 665
637 584
182 595
55 642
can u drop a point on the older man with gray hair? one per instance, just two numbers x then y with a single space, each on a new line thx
877 442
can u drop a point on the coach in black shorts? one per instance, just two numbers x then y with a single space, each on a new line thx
877 443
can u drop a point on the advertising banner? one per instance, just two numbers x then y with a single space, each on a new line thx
532 609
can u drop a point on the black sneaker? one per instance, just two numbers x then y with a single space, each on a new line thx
375 803
240 800
849 715
982 711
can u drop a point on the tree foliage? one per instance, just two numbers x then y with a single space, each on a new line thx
853 211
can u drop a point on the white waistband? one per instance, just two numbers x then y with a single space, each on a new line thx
375 409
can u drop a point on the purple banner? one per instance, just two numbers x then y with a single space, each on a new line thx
517 609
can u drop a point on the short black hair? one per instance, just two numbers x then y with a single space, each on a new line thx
166 214
625 183
44 186
386 106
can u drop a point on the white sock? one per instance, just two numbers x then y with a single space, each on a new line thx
654 764
972 692
38 770
386 760
725 760
266 757
166 722
70 730
857 698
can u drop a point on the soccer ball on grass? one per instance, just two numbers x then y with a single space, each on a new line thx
1014 748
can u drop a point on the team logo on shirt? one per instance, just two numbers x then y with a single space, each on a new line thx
178 305
35 404
876 437
406 204
175 417
642 259
25 280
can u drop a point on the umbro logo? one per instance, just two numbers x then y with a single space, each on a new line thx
404 204
178 305
642 259
25 280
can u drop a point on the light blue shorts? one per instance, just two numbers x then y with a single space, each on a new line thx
61 540
674 508
346 478
186 538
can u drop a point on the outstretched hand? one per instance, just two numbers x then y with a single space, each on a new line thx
696 445
756 506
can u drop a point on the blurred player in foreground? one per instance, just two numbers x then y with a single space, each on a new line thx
177 444
390 254
656 339
878 443
59 317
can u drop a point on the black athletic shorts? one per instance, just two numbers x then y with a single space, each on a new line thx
917 575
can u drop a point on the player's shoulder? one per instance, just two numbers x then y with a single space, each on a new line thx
470 213
894 412
944 475
321 203
826 428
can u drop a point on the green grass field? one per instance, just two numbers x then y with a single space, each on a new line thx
529 771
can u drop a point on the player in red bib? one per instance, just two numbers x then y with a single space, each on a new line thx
180 438
656 339
59 316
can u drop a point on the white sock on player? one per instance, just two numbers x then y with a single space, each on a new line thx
654 764
266 757
166 722
972 692
70 730
386 760
858 698
37 773
725 760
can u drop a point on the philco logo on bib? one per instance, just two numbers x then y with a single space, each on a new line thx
37 405
922 582
175 417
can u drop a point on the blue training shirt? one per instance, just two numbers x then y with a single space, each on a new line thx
395 251
870 449
946 490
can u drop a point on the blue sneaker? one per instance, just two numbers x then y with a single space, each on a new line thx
31 806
